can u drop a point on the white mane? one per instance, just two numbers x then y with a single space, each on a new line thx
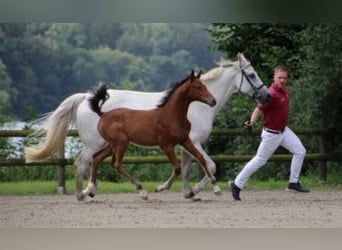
214 73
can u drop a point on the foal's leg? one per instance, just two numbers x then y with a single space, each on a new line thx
97 159
189 146
170 153
116 163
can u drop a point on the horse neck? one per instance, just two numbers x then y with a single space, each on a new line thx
223 87
178 104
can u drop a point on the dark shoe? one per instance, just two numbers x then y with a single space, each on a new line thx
297 187
235 191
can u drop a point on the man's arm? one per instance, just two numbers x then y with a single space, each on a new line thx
254 117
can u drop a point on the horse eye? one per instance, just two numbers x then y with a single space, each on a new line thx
251 75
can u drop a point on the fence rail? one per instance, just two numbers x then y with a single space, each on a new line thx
322 156
215 132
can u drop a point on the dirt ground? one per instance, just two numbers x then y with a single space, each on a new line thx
259 209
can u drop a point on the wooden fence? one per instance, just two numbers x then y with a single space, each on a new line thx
321 155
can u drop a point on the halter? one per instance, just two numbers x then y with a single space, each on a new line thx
244 74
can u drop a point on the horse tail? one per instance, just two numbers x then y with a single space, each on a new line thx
57 128
98 94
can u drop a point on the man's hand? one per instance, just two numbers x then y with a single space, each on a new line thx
248 124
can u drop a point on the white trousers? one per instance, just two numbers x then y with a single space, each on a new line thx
269 143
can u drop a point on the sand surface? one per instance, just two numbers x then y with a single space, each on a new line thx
259 209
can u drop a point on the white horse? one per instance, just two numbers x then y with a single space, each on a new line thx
225 80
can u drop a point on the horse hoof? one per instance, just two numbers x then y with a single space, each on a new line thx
91 195
217 190
189 195
80 197
160 189
194 198
195 190
143 195
88 199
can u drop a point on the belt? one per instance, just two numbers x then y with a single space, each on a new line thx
273 131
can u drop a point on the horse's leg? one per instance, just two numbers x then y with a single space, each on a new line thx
79 173
170 153
186 163
82 167
97 158
189 192
116 164
211 166
189 146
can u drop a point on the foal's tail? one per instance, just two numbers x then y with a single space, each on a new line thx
99 94
57 128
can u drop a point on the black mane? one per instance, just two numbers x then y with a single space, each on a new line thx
170 90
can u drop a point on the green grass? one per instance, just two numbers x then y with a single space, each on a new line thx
310 182
50 187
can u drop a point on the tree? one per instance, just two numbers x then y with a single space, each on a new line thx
7 92
171 49
319 91
101 34
46 62
265 44
116 67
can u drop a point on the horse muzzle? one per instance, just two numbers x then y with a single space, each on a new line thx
212 102
263 97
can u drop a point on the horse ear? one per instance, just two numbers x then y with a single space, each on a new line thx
199 74
241 57
192 75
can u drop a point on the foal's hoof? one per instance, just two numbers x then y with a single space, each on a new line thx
82 196
88 199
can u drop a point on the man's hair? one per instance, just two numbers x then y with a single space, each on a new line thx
281 67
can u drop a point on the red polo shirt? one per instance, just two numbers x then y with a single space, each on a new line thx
277 110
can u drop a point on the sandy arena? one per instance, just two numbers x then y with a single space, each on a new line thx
259 209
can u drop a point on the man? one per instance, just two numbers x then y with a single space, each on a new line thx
274 134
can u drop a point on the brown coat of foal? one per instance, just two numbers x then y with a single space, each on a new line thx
164 127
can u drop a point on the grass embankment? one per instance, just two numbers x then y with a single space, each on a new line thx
50 187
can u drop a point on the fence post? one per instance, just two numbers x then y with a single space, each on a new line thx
322 163
61 189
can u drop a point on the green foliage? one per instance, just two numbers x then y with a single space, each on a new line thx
5 148
42 63
321 78
265 44
6 89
